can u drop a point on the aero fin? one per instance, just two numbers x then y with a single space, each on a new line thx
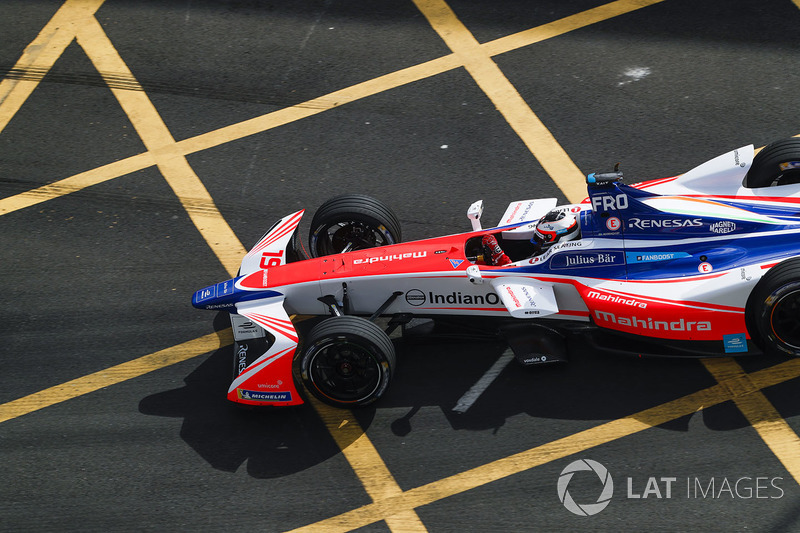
270 251
268 380
526 298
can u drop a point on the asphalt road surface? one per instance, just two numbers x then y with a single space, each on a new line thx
145 145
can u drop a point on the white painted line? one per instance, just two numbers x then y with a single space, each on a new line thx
474 393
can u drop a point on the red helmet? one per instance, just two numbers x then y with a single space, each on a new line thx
557 225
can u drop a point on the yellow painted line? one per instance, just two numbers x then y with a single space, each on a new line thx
76 183
558 449
565 25
159 141
115 374
374 86
366 462
762 415
506 98
40 55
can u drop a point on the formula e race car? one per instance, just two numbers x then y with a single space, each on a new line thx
705 263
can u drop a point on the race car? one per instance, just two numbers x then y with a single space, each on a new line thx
705 263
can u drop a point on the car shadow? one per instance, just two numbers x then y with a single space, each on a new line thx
276 442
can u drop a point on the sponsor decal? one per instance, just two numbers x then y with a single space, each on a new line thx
241 354
649 257
613 298
535 359
415 297
245 329
528 296
704 268
513 297
650 223
261 396
458 298
789 165
455 263
736 159
607 202
725 226
219 306
561 246
224 288
393 257
521 216
650 324
277 385
440 252
587 260
264 279
206 294
735 343
613 224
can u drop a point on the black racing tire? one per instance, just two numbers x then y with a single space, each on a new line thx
347 361
352 222
295 251
766 169
773 310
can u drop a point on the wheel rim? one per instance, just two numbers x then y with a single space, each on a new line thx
785 319
344 371
349 236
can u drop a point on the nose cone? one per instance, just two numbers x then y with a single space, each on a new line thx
219 296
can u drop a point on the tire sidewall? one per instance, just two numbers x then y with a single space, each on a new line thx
767 305
316 348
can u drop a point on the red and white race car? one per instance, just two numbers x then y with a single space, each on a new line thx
704 263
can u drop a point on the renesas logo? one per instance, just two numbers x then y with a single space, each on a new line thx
393 257
654 223
417 298
242 356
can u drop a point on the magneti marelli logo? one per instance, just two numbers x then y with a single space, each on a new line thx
585 509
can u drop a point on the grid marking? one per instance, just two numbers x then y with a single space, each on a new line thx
77 19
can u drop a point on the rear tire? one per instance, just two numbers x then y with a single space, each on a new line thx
767 171
773 310
352 222
347 361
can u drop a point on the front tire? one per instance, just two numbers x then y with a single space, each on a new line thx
347 361
774 309
352 222
777 164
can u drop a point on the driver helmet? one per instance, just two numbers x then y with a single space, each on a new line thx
559 225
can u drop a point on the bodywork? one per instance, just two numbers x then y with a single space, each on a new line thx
673 260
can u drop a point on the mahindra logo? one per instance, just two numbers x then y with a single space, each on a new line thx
650 324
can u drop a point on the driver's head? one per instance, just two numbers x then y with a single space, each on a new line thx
559 225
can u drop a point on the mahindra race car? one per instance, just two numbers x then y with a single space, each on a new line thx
705 263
